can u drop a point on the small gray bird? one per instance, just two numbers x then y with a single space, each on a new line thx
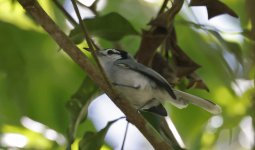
144 88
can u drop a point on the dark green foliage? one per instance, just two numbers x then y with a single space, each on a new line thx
112 27
94 140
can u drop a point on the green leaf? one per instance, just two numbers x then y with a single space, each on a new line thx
94 141
112 27
153 119
78 106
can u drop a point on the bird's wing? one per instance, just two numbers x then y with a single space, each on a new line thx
159 80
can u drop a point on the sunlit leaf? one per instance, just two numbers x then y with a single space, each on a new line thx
232 47
112 27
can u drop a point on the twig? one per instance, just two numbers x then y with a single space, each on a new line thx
34 9
93 7
90 43
164 5
68 16
125 136
83 27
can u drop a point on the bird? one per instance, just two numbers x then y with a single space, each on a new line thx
144 88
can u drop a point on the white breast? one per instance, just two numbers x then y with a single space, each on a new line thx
134 86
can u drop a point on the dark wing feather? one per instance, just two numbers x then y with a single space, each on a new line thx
160 81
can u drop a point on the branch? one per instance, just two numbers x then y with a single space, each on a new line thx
164 5
34 9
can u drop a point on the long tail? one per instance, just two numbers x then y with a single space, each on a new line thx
203 103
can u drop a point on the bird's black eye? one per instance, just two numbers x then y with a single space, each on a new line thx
110 52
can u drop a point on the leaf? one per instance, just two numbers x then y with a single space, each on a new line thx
196 82
184 64
32 83
249 34
78 106
163 67
94 141
250 9
152 118
214 7
111 27
232 47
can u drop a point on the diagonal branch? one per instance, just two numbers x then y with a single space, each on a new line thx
34 9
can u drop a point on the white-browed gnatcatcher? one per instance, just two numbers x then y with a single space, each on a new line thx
143 87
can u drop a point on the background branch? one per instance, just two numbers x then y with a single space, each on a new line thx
33 8
158 32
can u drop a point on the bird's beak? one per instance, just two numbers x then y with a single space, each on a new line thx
99 53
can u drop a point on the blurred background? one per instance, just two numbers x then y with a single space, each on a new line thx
43 92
